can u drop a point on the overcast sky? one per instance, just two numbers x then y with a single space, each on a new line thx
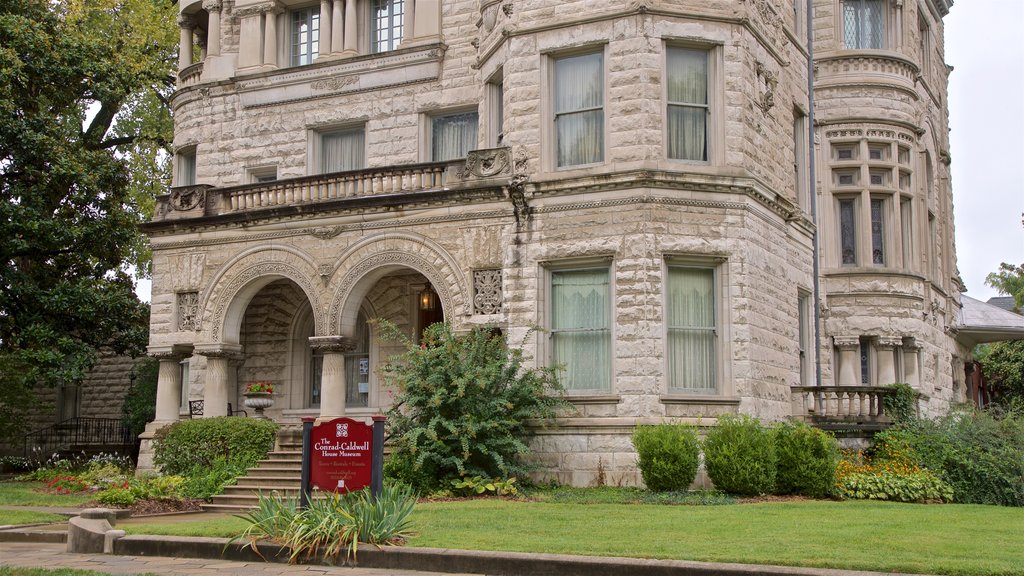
985 46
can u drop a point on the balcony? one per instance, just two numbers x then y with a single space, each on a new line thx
384 186
860 67
840 408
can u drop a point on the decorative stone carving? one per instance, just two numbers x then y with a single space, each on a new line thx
487 297
767 81
185 198
186 22
334 83
255 10
188 311
212 5
487 163
332 344
186 271
517 188
507 8
326 233
234 284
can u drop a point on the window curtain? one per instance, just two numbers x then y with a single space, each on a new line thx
579 113
305 36
341 151
687 104
186 168
864 24
453 136
692 357
580 333
353 374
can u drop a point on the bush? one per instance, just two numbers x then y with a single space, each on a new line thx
739 456
118 496
191 445
139 406
807 459
667 455
901 405
202 483
462 406
918 486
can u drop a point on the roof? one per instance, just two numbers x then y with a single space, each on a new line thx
980 322
1005 302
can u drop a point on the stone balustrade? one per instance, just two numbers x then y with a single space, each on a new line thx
838 406
190 76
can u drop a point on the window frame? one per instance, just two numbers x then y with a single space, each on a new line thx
710 107
805 335
551 63
391 43
315 148
185 163
883 37
549 270
430 118
294 59
801 159
854 201
716 333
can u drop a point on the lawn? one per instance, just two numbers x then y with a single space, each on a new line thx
15 517
27 494
940 539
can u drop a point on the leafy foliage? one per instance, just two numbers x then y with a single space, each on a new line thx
901 405
920 486
1009 280
477 485
807 460
462 406
740 457
74 80
189 444
1002 363
139 406
667 455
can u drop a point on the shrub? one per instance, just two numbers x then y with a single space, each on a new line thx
462 406
739 456
139 406
119 496
901 405
189 445
807 459
202 483
478 485
667 455
917 486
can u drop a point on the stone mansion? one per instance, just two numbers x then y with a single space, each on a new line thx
708 206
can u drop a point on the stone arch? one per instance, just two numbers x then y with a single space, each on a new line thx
367 261
224 301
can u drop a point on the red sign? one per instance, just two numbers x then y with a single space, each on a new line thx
341 453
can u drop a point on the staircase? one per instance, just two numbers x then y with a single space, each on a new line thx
281 471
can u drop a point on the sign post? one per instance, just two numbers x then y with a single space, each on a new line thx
342 455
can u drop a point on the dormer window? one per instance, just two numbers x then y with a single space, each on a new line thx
304 35
386 19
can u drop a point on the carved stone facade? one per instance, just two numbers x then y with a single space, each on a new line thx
470 180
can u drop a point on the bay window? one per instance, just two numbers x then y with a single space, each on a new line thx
690 318
579 109
581 328
687 92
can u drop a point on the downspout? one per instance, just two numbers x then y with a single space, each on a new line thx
813 190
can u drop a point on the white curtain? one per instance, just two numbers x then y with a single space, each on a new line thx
687 103
580 330
186 168
691 330
453 136
341 151
579 113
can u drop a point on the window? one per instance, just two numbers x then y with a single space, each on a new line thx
185 171
864 24
453 136
866 360
581 328
316 371
844 151
906 232
848 232
846 177
262 175
386 24
69 402
496 111
877 232
185 385
342 150
925 30
357 366
687 116
800 174
692 334
304 35
803 306
579 109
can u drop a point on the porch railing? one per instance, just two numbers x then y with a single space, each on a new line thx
835 406
106 434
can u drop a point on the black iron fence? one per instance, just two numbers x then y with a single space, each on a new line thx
91 435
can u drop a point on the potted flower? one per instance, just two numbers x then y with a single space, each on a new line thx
258 396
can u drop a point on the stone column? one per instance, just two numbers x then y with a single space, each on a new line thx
326 24
337 30
911 360
270 37
424 23
213 8
351 31
218 378
885 360
409 29
188 25
168 385
250 50
848 361
332 380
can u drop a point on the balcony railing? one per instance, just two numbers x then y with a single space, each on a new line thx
843 406
190 75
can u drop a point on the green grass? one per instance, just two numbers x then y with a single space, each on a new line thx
26 494
13 517
860 535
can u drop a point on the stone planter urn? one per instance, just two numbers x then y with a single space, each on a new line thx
259 401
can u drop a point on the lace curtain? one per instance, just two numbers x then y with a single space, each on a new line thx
453 136
687 104
580 328
691 329
341 151
579 113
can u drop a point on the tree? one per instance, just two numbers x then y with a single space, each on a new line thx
82 91
1009 280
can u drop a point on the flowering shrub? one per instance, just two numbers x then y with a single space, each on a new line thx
892 474
66 484
259 387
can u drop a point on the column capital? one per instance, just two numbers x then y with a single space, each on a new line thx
213 5
888 343
218 350
332 343
169 351
847 342
257 9
187 22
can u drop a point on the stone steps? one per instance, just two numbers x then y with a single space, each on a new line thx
280 471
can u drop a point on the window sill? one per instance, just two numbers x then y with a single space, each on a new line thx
593 398
699 399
